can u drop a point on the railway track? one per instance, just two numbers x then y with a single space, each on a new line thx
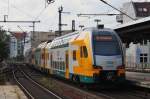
32 89
128 93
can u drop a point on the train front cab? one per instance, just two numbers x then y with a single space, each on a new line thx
108 55
94 67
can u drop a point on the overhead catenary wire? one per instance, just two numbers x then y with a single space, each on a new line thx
41 12
13 6
8 8
117 9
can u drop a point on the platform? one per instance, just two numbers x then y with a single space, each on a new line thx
139 79
11 92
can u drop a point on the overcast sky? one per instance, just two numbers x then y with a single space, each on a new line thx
35 10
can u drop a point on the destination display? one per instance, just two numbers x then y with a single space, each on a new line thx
103 38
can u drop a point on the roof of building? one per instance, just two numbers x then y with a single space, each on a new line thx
142 20
19 35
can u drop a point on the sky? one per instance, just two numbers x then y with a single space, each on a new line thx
27 10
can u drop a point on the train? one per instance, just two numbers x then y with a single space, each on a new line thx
91 55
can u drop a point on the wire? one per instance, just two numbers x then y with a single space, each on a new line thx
8 8
117 9
17 8
41 12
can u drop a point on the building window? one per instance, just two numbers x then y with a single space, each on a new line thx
74 55
143 58
145 10
140 9
144 42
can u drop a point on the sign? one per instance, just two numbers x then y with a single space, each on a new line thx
103 38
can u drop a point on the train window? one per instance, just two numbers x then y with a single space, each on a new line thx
74 55
53 64
56 65
42 55
85 52
63 65
47 56
81 53
32 56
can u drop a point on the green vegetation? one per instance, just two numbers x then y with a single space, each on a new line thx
4 45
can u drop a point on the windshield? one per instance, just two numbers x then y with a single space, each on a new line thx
105 43
106 48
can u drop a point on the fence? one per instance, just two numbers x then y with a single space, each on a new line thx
142 67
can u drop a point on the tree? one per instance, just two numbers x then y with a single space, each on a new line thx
4 45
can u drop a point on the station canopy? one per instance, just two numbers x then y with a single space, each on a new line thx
135 31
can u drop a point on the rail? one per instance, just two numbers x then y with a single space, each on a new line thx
24 89
58 97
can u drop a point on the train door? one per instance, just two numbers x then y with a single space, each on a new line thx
67 65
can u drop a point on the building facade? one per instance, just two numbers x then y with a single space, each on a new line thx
136 10
38 37
13 47
17 41
138 55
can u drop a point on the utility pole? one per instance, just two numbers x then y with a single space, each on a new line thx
60 9
33 22
73 25
6 21
33 26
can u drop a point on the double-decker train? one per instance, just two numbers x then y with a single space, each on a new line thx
88 56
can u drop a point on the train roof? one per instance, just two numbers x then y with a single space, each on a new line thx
48 45
65 39
96 29
42 45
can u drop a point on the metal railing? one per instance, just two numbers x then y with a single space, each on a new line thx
142 67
